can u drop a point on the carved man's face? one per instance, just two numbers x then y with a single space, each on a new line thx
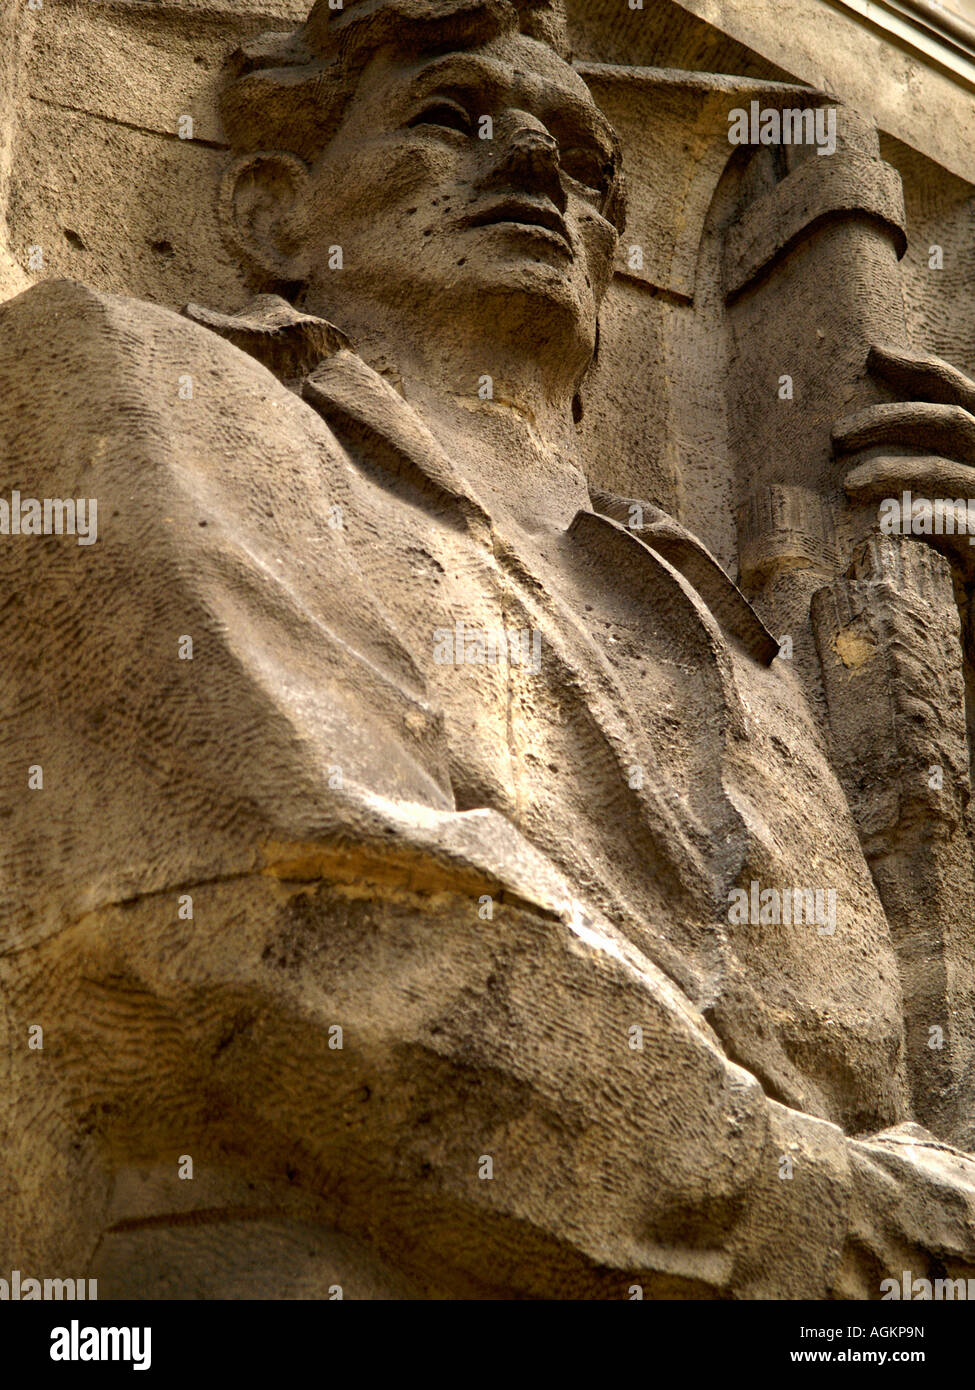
437 223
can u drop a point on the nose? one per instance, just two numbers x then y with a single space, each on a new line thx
530 159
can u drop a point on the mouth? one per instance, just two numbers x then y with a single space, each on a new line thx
537 217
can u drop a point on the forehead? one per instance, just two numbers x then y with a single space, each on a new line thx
511 70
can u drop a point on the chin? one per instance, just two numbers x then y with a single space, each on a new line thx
547 305
537 284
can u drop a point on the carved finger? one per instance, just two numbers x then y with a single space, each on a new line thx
880 479
921 376
926 476
940 429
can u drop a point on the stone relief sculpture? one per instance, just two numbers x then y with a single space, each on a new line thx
430 850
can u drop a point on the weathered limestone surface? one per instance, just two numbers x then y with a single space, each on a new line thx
403 798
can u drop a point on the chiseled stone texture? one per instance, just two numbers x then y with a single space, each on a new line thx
419 945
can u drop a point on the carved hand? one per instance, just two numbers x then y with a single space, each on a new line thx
924 444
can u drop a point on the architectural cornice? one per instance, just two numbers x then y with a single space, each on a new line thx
928 30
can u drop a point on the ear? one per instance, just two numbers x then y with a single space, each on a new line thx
259 197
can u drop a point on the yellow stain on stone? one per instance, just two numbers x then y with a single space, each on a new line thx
853 648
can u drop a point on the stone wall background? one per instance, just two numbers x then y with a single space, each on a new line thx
93 172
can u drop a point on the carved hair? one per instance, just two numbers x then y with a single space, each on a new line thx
288 91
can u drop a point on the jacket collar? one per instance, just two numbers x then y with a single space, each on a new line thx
317 361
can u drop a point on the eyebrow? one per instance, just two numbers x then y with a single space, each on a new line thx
459 70
463 68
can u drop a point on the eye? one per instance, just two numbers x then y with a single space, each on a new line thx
445 115
589 167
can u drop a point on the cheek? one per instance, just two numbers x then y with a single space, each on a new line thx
368 191
600 241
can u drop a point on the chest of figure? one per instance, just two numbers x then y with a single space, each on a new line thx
665 773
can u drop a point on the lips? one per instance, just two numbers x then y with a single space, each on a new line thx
525 212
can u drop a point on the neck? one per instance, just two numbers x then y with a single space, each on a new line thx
505 423
522 469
